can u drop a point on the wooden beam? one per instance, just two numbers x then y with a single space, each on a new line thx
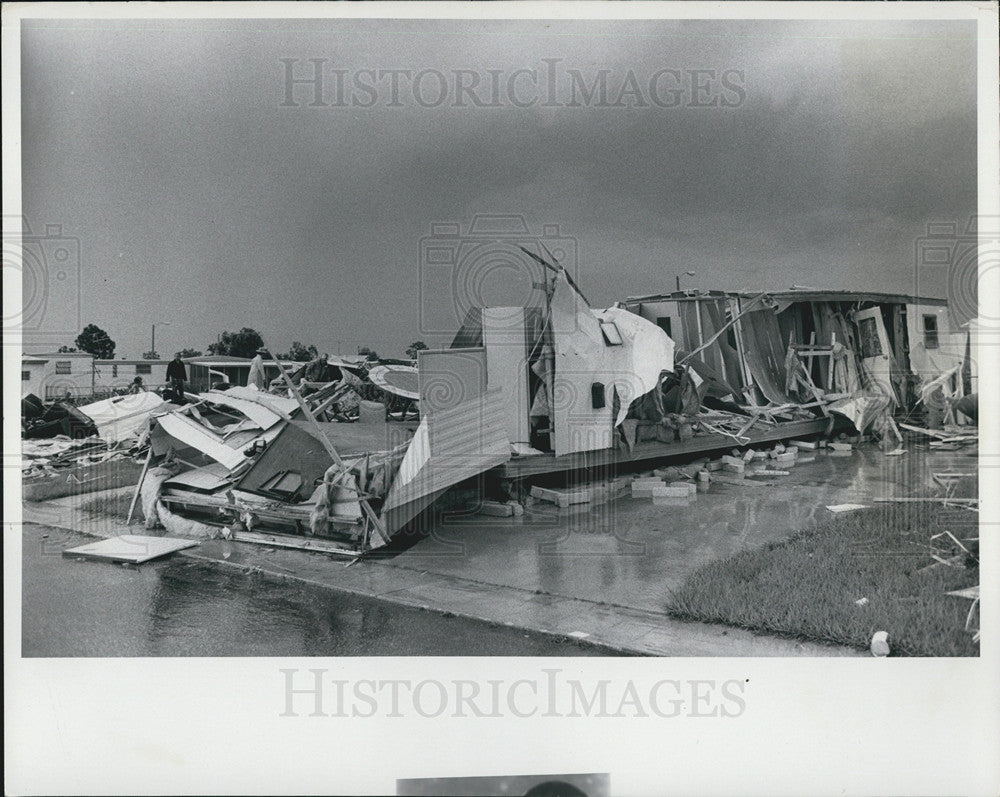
520 467
138 487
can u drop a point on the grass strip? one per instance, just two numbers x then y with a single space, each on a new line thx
807 586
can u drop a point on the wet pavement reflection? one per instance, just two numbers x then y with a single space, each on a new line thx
631 552
184 607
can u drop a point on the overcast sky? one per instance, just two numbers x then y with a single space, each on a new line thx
205 195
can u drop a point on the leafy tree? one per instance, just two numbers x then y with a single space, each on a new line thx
368 353
150 355
238 344
67 349
417 345
96 341
188 353
300 353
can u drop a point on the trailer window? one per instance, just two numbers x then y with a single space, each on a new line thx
930 332
612 336
64 367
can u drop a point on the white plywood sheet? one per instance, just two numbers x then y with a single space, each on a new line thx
507 367
448 377
134 548
193 434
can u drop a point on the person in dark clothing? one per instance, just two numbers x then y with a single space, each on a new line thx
177 376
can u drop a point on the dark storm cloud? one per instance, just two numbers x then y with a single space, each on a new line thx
166 149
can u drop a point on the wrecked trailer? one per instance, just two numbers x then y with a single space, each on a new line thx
257 466
88 448
603 390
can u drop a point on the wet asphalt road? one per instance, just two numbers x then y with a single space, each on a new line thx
182 607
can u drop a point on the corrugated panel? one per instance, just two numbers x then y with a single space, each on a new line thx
449 377
764 353
450 446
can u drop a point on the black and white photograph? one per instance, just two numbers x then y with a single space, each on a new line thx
401 359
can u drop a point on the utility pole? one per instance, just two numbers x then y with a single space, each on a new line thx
152 344
678 278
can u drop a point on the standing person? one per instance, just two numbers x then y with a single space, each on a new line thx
177 376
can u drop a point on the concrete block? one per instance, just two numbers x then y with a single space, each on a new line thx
560 497
689 488
495 509
788 458
714 465
804 445
735 462
516 506
841 447
732 467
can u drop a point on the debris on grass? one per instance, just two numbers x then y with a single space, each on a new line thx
810 585
880 644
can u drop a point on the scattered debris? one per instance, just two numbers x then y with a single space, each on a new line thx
880 644
969 593
861 602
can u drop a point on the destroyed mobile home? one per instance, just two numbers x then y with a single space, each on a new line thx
560 388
